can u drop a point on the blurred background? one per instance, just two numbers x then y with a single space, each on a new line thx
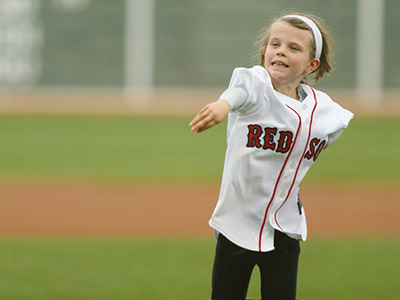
139 47
105 193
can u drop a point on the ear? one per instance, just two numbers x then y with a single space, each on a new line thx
314 64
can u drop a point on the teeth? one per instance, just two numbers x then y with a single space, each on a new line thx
280 64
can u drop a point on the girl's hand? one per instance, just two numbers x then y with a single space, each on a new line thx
211 114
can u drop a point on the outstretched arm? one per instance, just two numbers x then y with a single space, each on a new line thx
215 112
211 114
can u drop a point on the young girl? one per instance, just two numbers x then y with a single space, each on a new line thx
277 127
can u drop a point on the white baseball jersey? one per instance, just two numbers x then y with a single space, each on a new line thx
272 142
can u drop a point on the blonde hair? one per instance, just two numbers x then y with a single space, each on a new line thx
327 45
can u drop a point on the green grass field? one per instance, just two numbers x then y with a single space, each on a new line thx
180 269
139 149
164 149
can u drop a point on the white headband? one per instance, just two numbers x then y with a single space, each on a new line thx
315 30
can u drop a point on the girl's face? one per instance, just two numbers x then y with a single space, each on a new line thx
288 54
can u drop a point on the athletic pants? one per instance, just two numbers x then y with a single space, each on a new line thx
233 266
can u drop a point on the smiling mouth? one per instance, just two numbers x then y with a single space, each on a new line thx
280 64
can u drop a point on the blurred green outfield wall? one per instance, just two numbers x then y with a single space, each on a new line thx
82 46
212 37
63 43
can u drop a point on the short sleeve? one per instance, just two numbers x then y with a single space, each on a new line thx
344 117
254 81
241 78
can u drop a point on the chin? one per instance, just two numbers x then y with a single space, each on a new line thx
277 76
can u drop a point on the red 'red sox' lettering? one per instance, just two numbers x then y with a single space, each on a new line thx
269 142
316 146
253 137
269 138
285 141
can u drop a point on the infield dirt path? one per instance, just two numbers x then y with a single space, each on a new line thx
144 210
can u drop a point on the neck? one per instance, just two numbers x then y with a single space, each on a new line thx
288 90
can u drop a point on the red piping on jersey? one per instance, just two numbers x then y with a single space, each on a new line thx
277 181
301 159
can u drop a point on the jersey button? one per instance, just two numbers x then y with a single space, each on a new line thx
304 107
282 195
293 165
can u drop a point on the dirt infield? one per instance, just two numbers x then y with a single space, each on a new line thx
160 210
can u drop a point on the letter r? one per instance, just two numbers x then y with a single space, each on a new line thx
253 137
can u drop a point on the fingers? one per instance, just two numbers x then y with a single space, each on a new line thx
201 120
204 124
197 118
210 115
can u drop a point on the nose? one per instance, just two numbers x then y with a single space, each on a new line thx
281 52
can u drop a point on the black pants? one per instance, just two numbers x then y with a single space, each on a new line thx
233 266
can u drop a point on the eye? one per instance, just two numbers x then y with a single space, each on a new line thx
295 47
274 44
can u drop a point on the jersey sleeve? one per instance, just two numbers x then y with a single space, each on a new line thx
343 118
253 81
235 97
333 137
